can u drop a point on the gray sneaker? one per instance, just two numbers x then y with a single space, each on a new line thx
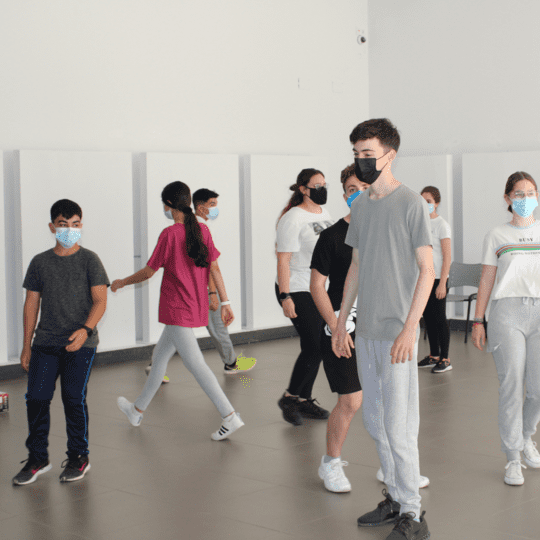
387 512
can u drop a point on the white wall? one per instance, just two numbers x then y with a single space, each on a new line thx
190 76
4 355
457 76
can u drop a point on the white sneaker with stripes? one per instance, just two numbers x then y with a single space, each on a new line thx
228 426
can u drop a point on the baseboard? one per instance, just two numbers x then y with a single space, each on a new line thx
144 352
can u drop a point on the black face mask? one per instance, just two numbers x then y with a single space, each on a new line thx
365 169
318 196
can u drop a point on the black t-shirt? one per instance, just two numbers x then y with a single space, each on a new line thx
332 258
66 298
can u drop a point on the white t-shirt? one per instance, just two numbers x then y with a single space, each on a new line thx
516 254
298 231
440 229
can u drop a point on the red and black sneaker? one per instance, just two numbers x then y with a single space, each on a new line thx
31 471
75 469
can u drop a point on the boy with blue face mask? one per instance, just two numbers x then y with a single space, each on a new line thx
69 284
206 210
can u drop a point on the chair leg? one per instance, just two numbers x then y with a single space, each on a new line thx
468 315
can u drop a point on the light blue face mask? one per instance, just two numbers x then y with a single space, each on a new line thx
68 236
352 197
431 208
168 213
524 207
213 212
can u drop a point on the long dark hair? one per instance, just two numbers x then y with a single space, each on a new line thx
302 180
178 196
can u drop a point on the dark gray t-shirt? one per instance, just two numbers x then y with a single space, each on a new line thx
66 298
387 233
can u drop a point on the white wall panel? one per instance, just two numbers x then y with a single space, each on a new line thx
218 172
271 177
484 181
101 183
4 355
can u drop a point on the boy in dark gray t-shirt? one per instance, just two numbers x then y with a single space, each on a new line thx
69 283
392 273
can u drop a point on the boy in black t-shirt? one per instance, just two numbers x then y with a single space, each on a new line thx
70 284
332 258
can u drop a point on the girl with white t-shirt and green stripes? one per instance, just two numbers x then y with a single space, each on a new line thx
512 255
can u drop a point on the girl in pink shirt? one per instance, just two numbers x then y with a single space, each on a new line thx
188 256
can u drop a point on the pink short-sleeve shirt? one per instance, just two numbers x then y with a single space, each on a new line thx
184 289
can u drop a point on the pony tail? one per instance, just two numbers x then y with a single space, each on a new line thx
197 250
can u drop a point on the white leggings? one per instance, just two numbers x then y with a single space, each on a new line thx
182 340
514 339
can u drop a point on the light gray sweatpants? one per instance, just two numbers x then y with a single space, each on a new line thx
182 340
220 336
391 416
514 339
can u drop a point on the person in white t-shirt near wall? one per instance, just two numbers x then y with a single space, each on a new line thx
511 254
437 327
298 229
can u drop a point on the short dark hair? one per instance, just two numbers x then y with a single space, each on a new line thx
203 195
513 179
346 173
65 208
434 192
381 128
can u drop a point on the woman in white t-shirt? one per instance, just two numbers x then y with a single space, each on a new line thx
512 255
437 327
298 230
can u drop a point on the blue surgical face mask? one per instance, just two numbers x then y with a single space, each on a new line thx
524 207
352 197
68 236
431 208
213 212
168 213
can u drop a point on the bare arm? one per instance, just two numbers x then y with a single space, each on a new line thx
215 273
446 246
350 291
30 316
321 298
424 285
140 276
211 284
487 281
284 271
99 305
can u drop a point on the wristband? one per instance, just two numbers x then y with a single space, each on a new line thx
212 293
226 303
474 323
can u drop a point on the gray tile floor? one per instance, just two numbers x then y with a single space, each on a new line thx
168 480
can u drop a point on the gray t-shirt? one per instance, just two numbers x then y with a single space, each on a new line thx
66 298
387 233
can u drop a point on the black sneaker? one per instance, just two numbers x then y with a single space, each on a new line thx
31 471
428 361
386 512
408 529
308 409
289 406
442 366
75 469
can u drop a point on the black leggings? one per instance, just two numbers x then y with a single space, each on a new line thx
309 325
438 330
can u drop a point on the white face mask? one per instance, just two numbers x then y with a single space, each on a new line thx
68 236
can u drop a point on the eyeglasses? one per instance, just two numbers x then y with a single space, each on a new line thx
521 195
318 187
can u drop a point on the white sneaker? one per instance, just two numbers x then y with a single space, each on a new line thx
228 427
531 455
148 369
129 410
424 480
514 476
333 475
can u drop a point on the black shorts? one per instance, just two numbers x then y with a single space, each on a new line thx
342 373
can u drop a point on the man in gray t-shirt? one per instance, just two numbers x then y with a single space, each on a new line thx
392 273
